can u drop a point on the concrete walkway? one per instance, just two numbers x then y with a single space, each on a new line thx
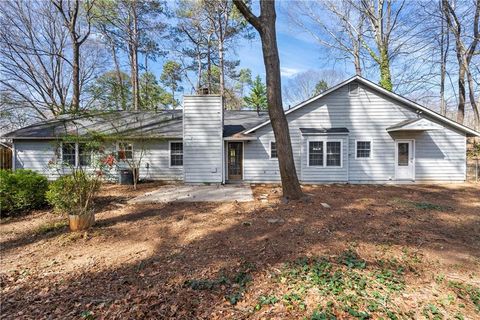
185 193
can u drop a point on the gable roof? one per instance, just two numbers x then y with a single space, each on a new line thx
376 87
131 124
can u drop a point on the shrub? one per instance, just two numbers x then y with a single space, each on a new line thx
73 194
21 190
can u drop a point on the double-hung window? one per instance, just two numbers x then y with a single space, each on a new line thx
334 153
84 155
176 154
324 153
68 154
363 149
273 150
125 151
315 153
76 154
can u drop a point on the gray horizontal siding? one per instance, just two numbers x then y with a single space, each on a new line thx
36 154
203 129
157 156
440 155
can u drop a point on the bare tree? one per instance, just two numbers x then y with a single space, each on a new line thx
465 53
384 18
227 24
35 64
444 48
134 25
75 15
302 86
341 32
265 25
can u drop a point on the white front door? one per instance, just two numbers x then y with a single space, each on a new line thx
404 160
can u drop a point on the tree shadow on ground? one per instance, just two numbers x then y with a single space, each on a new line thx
259 236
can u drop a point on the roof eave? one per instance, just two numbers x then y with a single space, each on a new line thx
469 132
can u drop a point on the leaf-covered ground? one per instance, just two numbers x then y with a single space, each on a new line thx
378 252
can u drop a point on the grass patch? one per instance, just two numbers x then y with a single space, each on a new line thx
236 284
466 291
51 227
350 287
422 205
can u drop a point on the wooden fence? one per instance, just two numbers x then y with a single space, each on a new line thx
473 169
5 157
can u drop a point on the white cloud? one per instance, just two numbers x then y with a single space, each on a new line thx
289 72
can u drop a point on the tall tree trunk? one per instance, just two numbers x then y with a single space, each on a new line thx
222 70
385 75
265 25
221 43
134 40
75 75
199 70
471 92
444 46
209 66
118 73
461 93
357 63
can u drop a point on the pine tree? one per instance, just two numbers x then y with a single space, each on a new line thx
258 96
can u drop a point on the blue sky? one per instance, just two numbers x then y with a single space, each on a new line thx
298 51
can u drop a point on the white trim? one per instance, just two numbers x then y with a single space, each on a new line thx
341 154
371 149
170 153
243 160
117 149
14 156
384 91
324 148
270 150
233 139
75 165
413 159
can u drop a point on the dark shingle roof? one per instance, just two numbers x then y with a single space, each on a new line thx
141 124
238 121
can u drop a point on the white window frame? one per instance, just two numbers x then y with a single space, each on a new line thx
371 149
324 142
118 149
170 154
308 152
75 154
270 150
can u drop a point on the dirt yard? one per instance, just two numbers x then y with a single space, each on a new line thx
346 252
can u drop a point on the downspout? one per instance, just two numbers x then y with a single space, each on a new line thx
14 156
224 165
348 158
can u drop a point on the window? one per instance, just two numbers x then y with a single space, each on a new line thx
125 151
364 149
334 153
273 150
315 153
176 154
353 88
68 153
84 155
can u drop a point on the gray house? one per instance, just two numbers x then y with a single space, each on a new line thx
355 132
